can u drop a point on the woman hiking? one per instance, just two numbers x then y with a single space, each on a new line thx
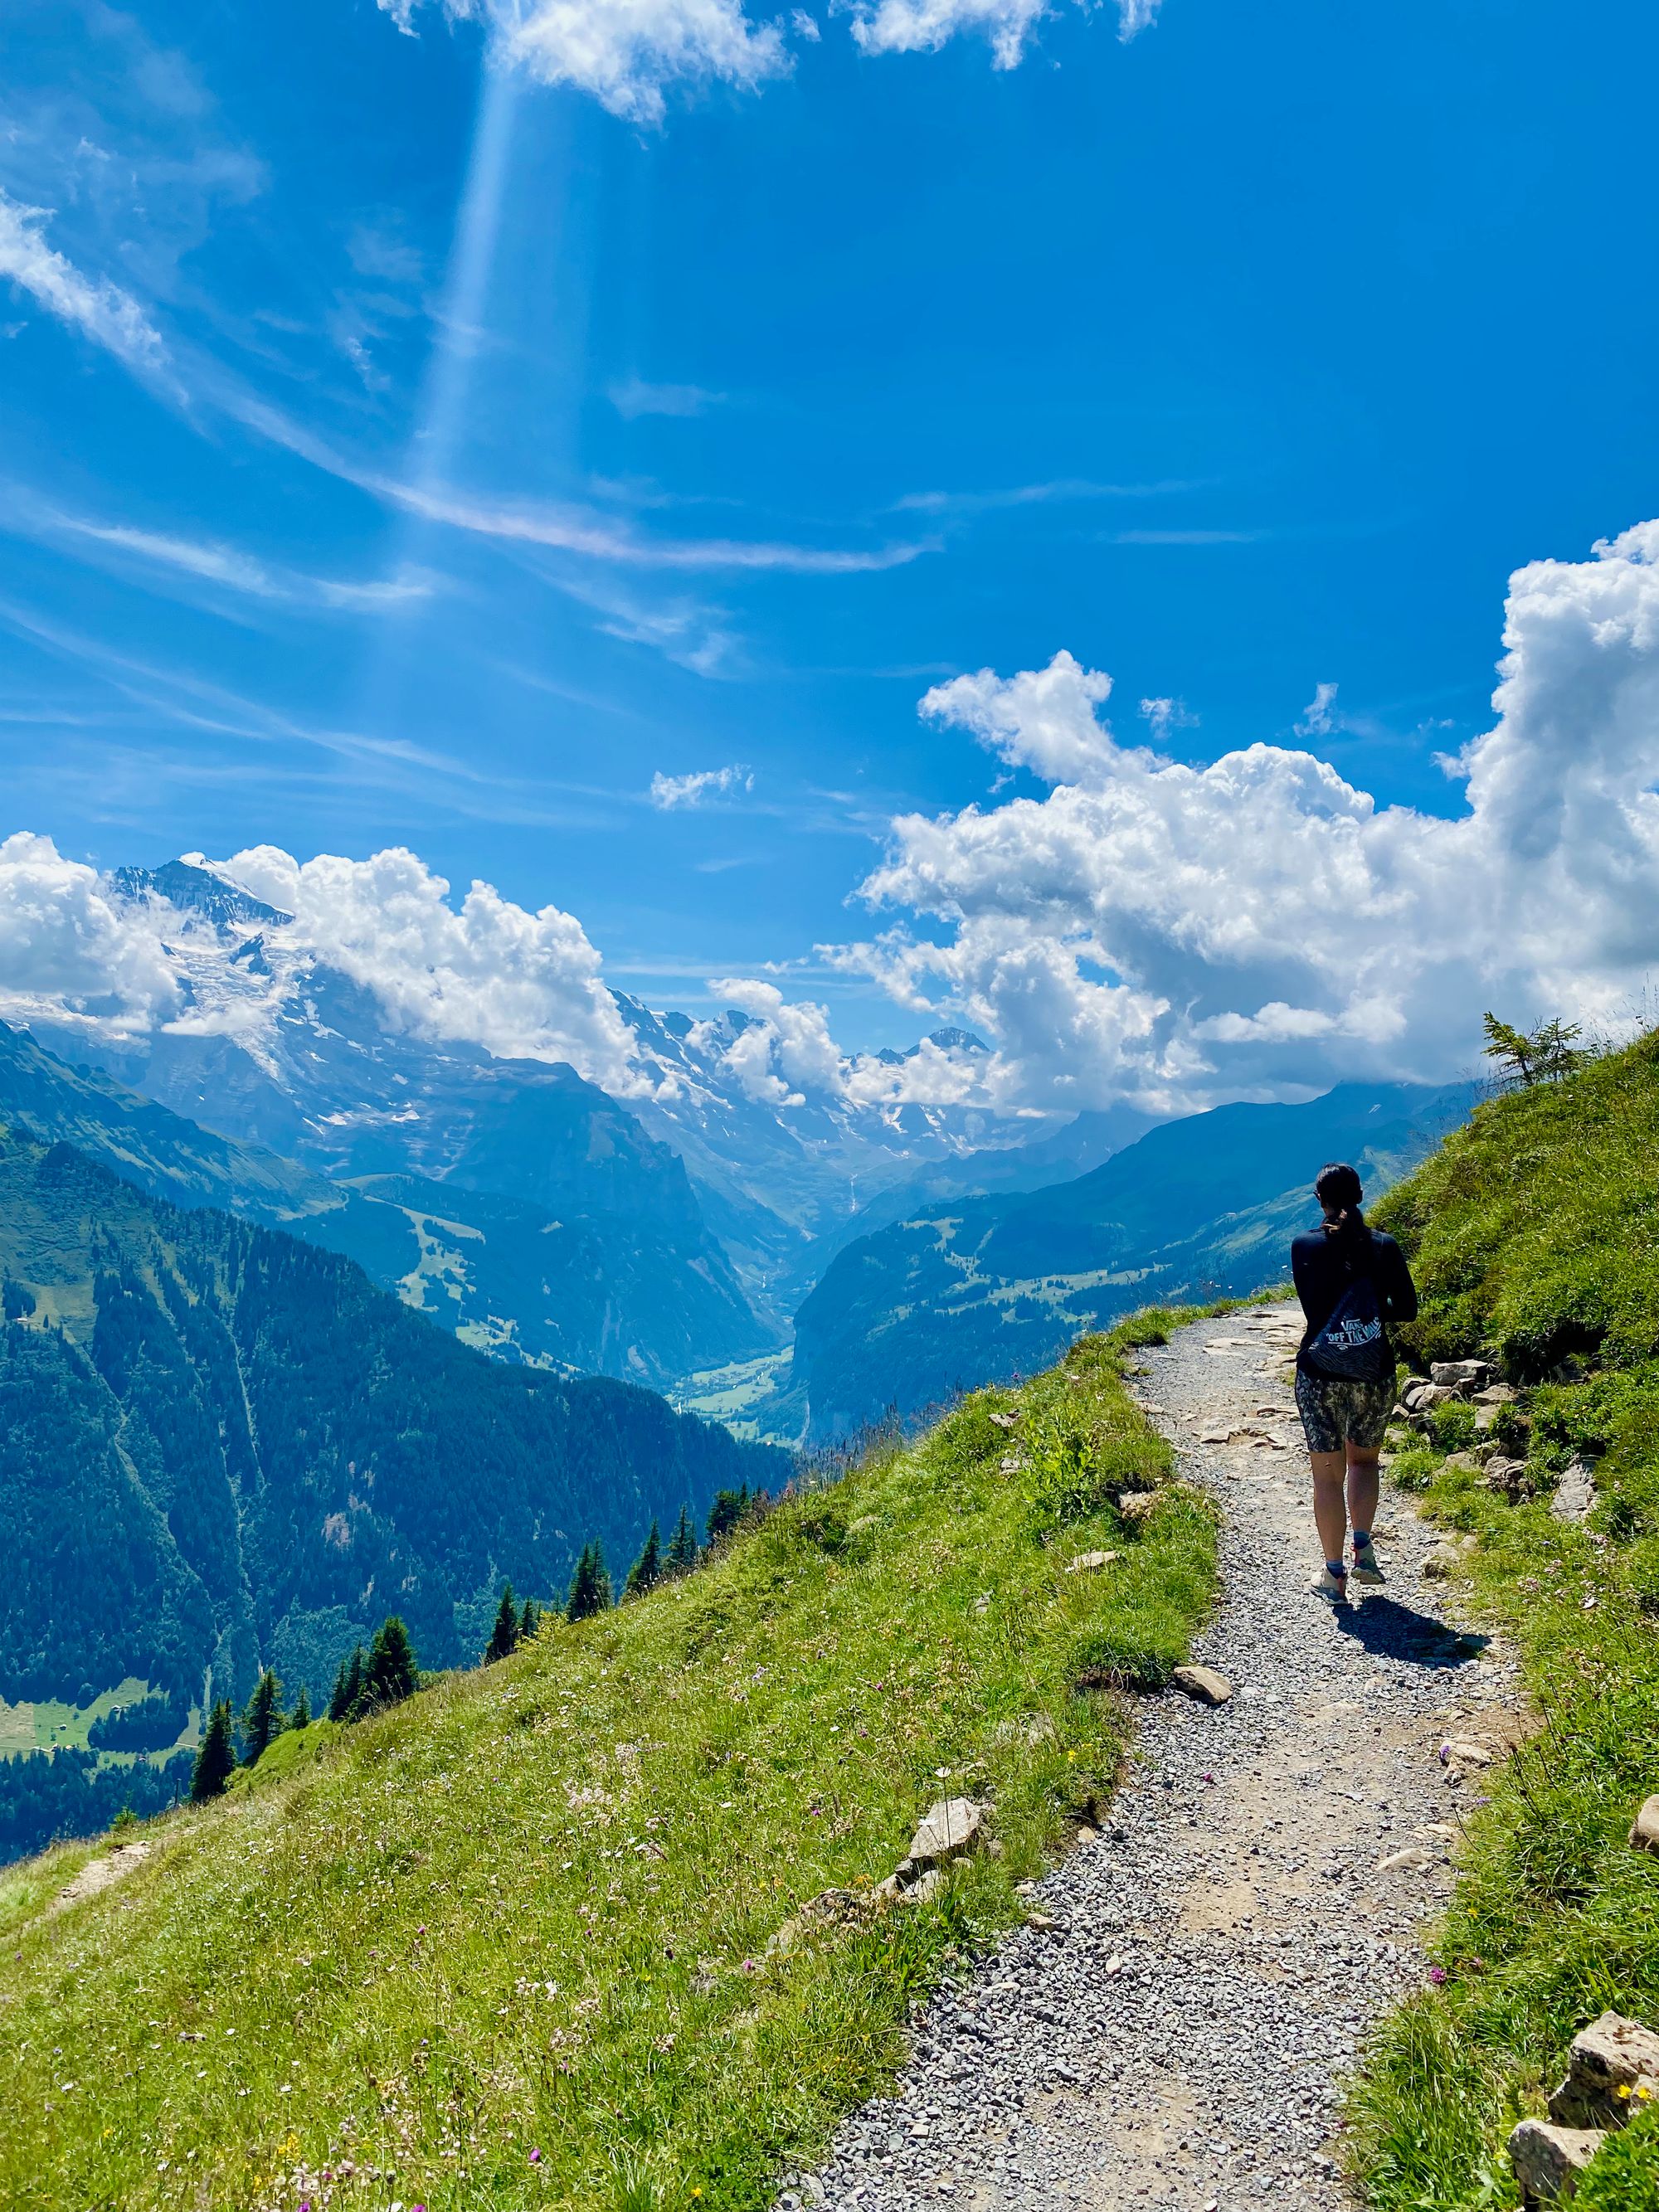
1352 1282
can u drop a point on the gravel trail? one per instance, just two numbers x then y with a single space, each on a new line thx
1177 2037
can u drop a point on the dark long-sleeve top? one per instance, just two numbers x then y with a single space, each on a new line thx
1321 1273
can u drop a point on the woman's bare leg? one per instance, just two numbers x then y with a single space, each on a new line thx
1330 1512
1363 1484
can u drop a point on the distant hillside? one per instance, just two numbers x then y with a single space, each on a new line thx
219 1446
984 1288
561 1238
598 1928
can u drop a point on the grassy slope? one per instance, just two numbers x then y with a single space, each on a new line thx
530 1911
1533 1237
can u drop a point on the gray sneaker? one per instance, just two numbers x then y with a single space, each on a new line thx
1367 1568
1334 1588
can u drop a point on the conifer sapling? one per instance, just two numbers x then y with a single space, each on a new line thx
504 1636
681 1552
590 1586
391 1675
262 1716
647 1570
215 1761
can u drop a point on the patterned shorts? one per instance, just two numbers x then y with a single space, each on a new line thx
1336 1412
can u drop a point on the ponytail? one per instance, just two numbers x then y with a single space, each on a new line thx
1337 1187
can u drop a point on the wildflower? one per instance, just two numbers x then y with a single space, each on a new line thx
535 2158
1437 1975
1623 2089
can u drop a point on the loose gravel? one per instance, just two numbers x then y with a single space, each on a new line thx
1179 2036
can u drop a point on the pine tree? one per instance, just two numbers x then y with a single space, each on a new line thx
504 1636
391 1675
531 1622
300 1717
1546 1055
262 1718
682 1551
647 1570
590 1586
347 1688
728 1510
215 1762
339 1703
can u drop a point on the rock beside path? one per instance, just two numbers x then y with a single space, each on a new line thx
1612 2067
1549 2159
1204 1683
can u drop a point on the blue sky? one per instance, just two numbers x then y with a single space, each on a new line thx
432 456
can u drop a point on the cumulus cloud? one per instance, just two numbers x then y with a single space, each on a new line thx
486 972
1044 720
624 53
1182 933
71 952
909 27
627 53
912 27
100 311
672 791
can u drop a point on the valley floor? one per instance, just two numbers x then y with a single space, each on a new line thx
1178 2038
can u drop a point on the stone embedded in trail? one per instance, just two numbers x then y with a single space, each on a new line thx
1463 1751
1442 1564
1413 1860
1645 1829
1090 1563
1614 2064
1136 1505
948 1828
1204 1683
1549 2161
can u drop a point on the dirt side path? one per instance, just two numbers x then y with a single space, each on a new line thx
1175 2040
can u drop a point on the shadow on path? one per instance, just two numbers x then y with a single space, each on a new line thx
1389 1630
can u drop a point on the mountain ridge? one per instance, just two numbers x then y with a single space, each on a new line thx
222 1447
977 1289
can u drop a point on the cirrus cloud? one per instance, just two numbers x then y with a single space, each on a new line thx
100 311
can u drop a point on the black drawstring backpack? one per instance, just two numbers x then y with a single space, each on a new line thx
1352 1344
